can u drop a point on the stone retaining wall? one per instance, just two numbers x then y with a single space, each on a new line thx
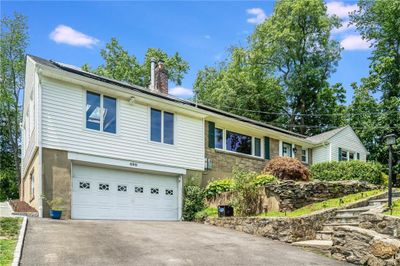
383 224
365 247
290 195
287 229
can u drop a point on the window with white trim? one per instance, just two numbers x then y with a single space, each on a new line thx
343 155
161 126
237 142
287 149
351 156
101 112
304 155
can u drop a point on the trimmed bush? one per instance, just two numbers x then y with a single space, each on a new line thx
216 187
287 168
349 170
193 202
264 179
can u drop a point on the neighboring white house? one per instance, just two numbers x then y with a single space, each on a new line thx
113 150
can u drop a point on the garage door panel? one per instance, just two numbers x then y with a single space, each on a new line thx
100 193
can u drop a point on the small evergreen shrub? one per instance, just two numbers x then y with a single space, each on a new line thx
349 170
287 168
264 179
217 187
193 202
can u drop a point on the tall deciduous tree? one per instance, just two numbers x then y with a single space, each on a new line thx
120 65
379 23
240 87
13 42
295 42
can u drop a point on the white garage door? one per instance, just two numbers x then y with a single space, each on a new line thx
99 193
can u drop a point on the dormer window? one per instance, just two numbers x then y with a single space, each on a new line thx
101 112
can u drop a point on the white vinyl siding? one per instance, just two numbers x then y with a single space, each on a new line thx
63 127
348 141
320 154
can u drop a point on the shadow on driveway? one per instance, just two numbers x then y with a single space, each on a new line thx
72 242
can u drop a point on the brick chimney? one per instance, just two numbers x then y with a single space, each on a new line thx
161 78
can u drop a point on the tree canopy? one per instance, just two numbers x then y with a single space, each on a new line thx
120 65
283 73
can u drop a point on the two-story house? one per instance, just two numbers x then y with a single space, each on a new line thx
113 150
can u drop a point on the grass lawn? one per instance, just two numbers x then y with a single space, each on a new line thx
338 202
9 229
395 209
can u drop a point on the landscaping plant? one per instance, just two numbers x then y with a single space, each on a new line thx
263 179
349 170
217 187
287 168
193 202
246 193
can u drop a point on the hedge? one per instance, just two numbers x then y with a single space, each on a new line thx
348 170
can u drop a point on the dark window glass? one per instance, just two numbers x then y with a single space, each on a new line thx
257 147
238 142
168 128
304 155
351 156
219 138
110 114
93 110
155 125
344 155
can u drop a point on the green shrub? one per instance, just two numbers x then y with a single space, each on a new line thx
264 179
287 168
207 212
193 202
246 193
8 185
217 187
349 170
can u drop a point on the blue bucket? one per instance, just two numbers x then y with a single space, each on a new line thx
55 214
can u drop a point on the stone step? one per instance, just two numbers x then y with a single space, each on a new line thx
331 226
318 246
345 219
379 202
324 235
353 212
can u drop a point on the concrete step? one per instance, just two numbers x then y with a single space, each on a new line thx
324 235
331 226
318 246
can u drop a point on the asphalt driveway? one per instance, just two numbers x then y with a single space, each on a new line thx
50 242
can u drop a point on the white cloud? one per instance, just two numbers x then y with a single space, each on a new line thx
345 27
207 37
354 42
67 35
258 15
340 9
180 91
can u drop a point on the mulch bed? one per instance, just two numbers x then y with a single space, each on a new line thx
21 206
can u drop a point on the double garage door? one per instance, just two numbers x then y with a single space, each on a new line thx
99 193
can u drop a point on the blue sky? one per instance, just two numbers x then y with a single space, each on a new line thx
74 32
